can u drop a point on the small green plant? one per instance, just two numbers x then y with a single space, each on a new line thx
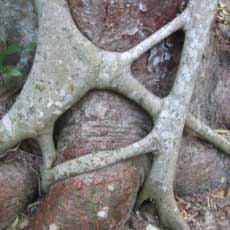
11 70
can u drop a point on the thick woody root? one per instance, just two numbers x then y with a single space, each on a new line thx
159 185
159 188
101 159
38 112
67 66
165 202
7 136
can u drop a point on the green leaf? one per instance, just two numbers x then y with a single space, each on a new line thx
31 46
9 70
6 68
1 68
13 73
8 51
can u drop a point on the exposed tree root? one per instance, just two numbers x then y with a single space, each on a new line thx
98 160
204 132
170 123
67 66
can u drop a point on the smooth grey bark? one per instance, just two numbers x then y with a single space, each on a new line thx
170 123
67 65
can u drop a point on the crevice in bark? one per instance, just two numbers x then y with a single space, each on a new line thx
61 121
159 65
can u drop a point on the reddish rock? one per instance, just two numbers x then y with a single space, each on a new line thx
17 189
201 168
100 200
221 95
18 180
119 25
